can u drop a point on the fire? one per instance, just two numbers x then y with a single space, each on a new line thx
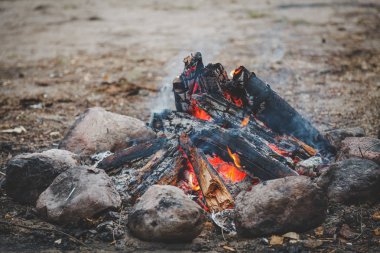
278 150
245 121
198 112
237 101
227 170
193 182
235 158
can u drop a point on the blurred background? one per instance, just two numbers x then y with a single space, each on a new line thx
59 57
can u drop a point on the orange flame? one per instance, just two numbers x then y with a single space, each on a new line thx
245 121
234 157
227 170
237 101
198 112
193 183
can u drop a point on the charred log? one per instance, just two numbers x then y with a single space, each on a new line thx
277 114
131 154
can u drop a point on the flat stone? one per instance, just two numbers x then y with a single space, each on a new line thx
165 213
97 130
352 181
27 175
78 193
336 136
361 147
290 204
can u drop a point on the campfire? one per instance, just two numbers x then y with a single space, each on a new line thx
227 135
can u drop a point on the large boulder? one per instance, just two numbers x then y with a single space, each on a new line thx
336 136
361 147
76 194
27 175
281 205
352 181
97 130
165 213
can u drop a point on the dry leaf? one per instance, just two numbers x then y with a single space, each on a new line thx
229 248
292 235
319 231
276 240
376 231
376 216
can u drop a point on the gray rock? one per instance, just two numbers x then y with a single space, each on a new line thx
165 213
97 130
336 136
27 175
361 147
78 193
281 205
352 181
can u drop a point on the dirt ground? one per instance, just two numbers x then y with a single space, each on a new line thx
58 58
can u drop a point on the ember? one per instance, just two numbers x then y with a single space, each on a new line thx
198 112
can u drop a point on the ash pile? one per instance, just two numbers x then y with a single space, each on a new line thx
234 153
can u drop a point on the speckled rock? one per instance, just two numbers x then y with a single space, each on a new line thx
290 204
78 193
352 181
27 175
97 130
165 213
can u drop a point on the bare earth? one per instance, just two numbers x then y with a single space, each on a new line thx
323 57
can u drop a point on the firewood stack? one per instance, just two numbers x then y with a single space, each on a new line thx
226 136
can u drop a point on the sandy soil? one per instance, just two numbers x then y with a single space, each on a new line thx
55 56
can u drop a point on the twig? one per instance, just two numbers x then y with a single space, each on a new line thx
46 229
360 150
2 173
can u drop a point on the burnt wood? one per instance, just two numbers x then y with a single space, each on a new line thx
132 154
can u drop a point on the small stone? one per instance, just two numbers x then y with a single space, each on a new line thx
97 130
165 213
27 175
352 181
77 193
361 147
279 206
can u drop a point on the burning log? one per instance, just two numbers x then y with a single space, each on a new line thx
215 192
257 161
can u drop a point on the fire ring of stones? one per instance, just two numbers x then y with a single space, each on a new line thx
233 151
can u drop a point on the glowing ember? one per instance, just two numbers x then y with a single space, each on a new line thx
278 150
245 121
235 158
198 112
